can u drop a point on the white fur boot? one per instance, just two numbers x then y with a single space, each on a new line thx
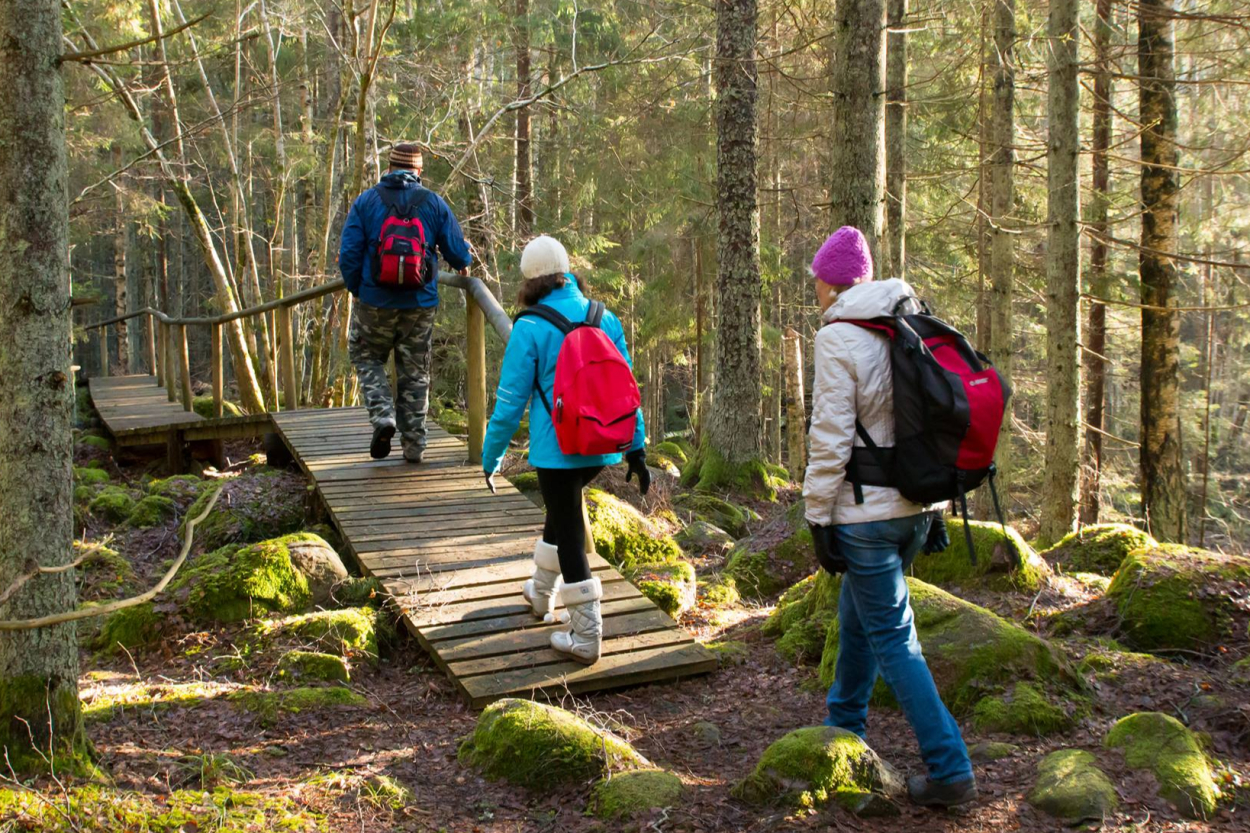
583 642
540 590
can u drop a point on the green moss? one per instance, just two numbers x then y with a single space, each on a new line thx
96 442
673 451
1107 661
234 583
104 574
1099 548
149 697
90 476
184 488
82 496
453 421
151 511
543 748
720 593
814 597
268 705
203 405
1072 788
995 567
313 665
261 503
733 519
1172 597
670 586
708 471
1025 711
130 627
972 652
989 750
811 767
702 536
41 725
729 652
360 591
112 503
526 481
386 792
630 794
626 538
1162 744
805 642
764 573
347 633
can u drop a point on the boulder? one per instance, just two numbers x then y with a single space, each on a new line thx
972 652
130 627
635 793
112 503
351 632
1098 549
1025 710
670 586
706 733
673 451
258 504
320 565
544 748
729 517
1072 788
625 537
238 582
1161 744
995 568
988 751
88 476
773 558
1172 597
151 511
719 593
800 621
702 537
313 665
821 765
182 488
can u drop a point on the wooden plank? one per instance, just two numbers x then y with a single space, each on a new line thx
542 654
477 627
510 643
422 613
516 570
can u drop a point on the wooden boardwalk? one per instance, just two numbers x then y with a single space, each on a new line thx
454 558
137 411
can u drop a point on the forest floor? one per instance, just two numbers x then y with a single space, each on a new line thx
162 721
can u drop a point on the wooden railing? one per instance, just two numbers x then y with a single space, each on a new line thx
170 361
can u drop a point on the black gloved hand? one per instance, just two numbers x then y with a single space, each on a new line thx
826 547
637 462
938 539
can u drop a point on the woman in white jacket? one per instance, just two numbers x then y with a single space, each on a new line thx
871 533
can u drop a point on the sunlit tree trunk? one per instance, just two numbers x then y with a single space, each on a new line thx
524 161
39 710
896 138
119 268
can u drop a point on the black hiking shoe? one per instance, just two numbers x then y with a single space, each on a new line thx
381 445
929 793
413 454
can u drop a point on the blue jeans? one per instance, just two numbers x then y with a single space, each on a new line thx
877 635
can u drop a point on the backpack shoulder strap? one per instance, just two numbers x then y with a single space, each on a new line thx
594 315
396 204
549 315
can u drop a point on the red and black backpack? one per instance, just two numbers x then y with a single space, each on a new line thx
949 404
402 244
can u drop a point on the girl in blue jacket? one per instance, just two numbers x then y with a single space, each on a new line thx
530 360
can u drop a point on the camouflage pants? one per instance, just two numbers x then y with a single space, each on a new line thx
374 334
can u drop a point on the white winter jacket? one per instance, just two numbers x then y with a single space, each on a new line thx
853 380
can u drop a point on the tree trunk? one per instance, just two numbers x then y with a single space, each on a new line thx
524 154
796 414
857 158
1162 468
39 710
1099 281
734 429
896 138
119 269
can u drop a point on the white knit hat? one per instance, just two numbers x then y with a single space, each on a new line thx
544 256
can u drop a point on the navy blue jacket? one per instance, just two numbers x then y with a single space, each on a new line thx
358 248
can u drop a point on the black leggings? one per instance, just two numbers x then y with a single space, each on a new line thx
566 526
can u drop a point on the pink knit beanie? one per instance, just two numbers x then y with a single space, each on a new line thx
844 259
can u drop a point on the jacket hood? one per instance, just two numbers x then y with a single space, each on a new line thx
400 179
873 299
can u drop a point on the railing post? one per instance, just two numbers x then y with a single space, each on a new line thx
286 339
184 367
152 344
171 362
161 352
104 350
476 357
219 382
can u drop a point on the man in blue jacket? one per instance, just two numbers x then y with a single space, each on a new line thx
395 318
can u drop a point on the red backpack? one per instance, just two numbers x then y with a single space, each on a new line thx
595 398
402 243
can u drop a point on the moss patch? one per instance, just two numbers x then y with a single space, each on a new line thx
811 767
261 503
151 511
90 476
1072 788
347 633
802 616
701 537
152 697
995 567
989 750
670 586
708 471
673 451
626 538
729 652
526 481
359 591
94 441
112 503
183 488
203 405
722 592
130 627
235 583
1026 710
631 794
733 519
42 715
268 705
543 748
1162 744
1175 597
313 665
1098 549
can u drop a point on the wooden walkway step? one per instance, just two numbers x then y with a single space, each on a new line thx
454 557
137 411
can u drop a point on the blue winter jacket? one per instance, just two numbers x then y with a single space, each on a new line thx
358 248
531 353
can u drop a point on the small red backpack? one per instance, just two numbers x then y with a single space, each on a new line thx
595 399
402 242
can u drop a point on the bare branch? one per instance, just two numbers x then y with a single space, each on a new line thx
86 56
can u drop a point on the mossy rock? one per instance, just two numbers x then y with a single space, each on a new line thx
708 471
813 598
632 794
453 421
1072 788
1098 549
988 751
104 574
1026 710
151 511
203 405
83 495
130 627
258 504
268 705
625 537
544 748
995 568
97 442
722 592
673 451
729 652
525 481
314 665
1161 744
112 503
183 488
359 591
87 476
237 582
733 519
354 631
1172 597
821 765
972 652
1108 661
775 557
804 643
701 536
670 586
